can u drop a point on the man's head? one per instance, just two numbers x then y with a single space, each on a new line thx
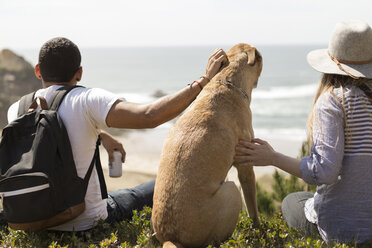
59 60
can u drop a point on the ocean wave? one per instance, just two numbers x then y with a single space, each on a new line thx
167 125
301 110
137 97
293 134
278 125
280 92
276 92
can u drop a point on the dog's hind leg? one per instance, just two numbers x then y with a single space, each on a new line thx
216 219
226 205
248 182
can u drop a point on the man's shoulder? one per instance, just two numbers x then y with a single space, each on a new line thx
95 104
13 112
93 98
91 92
87 95
99 95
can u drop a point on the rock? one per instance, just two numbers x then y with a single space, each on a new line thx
11 62
17 78
159 93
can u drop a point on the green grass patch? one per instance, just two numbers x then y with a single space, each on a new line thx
273 232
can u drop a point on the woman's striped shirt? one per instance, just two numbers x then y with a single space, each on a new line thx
341 165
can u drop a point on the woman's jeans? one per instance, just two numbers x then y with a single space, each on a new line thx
294 214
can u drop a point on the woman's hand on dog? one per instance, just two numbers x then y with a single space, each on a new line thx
260 153
256 152
215 62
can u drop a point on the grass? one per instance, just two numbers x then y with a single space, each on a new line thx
273 232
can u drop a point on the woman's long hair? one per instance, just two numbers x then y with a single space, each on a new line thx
327 84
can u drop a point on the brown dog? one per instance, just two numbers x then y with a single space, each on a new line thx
193 205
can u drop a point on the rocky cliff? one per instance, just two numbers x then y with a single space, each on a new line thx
17 78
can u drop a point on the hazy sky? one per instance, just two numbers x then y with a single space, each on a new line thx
91 23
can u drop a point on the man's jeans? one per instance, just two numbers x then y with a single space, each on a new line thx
121 203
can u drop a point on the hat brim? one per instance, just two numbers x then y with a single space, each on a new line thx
320 61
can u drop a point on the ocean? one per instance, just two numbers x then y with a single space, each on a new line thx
280 104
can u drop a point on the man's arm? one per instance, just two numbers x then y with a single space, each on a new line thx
137 116
111 144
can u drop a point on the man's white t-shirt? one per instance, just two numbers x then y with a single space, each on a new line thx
83 111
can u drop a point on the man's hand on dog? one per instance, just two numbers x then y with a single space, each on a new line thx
215 61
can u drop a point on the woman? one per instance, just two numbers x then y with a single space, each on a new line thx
340 131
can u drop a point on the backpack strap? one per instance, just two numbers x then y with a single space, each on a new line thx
55 102
58 96
97 161
101 178
25 103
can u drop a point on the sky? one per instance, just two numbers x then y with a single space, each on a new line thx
122 23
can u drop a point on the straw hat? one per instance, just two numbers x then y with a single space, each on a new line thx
349 51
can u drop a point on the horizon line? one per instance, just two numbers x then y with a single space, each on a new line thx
172 46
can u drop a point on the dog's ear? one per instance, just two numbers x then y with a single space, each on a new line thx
251 56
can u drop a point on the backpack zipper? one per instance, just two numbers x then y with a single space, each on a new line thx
24 191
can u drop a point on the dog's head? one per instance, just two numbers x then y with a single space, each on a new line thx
244 65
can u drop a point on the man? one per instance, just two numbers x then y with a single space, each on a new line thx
86 111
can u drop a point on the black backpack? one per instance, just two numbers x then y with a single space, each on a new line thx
39 184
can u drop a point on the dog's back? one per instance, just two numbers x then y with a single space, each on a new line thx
196 157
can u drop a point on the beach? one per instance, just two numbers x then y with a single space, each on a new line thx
143 148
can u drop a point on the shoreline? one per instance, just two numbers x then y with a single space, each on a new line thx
143 148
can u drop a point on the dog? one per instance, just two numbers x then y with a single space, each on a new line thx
193 204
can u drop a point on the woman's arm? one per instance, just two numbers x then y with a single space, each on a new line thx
260 153
323 165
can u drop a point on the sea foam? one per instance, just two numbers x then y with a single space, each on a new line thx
278 92
137 97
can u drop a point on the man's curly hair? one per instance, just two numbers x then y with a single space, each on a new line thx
59 60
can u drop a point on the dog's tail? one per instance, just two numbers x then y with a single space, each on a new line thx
170 244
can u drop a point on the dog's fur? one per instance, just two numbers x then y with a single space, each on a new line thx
193 205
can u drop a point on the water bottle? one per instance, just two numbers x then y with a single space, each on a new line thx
115 167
